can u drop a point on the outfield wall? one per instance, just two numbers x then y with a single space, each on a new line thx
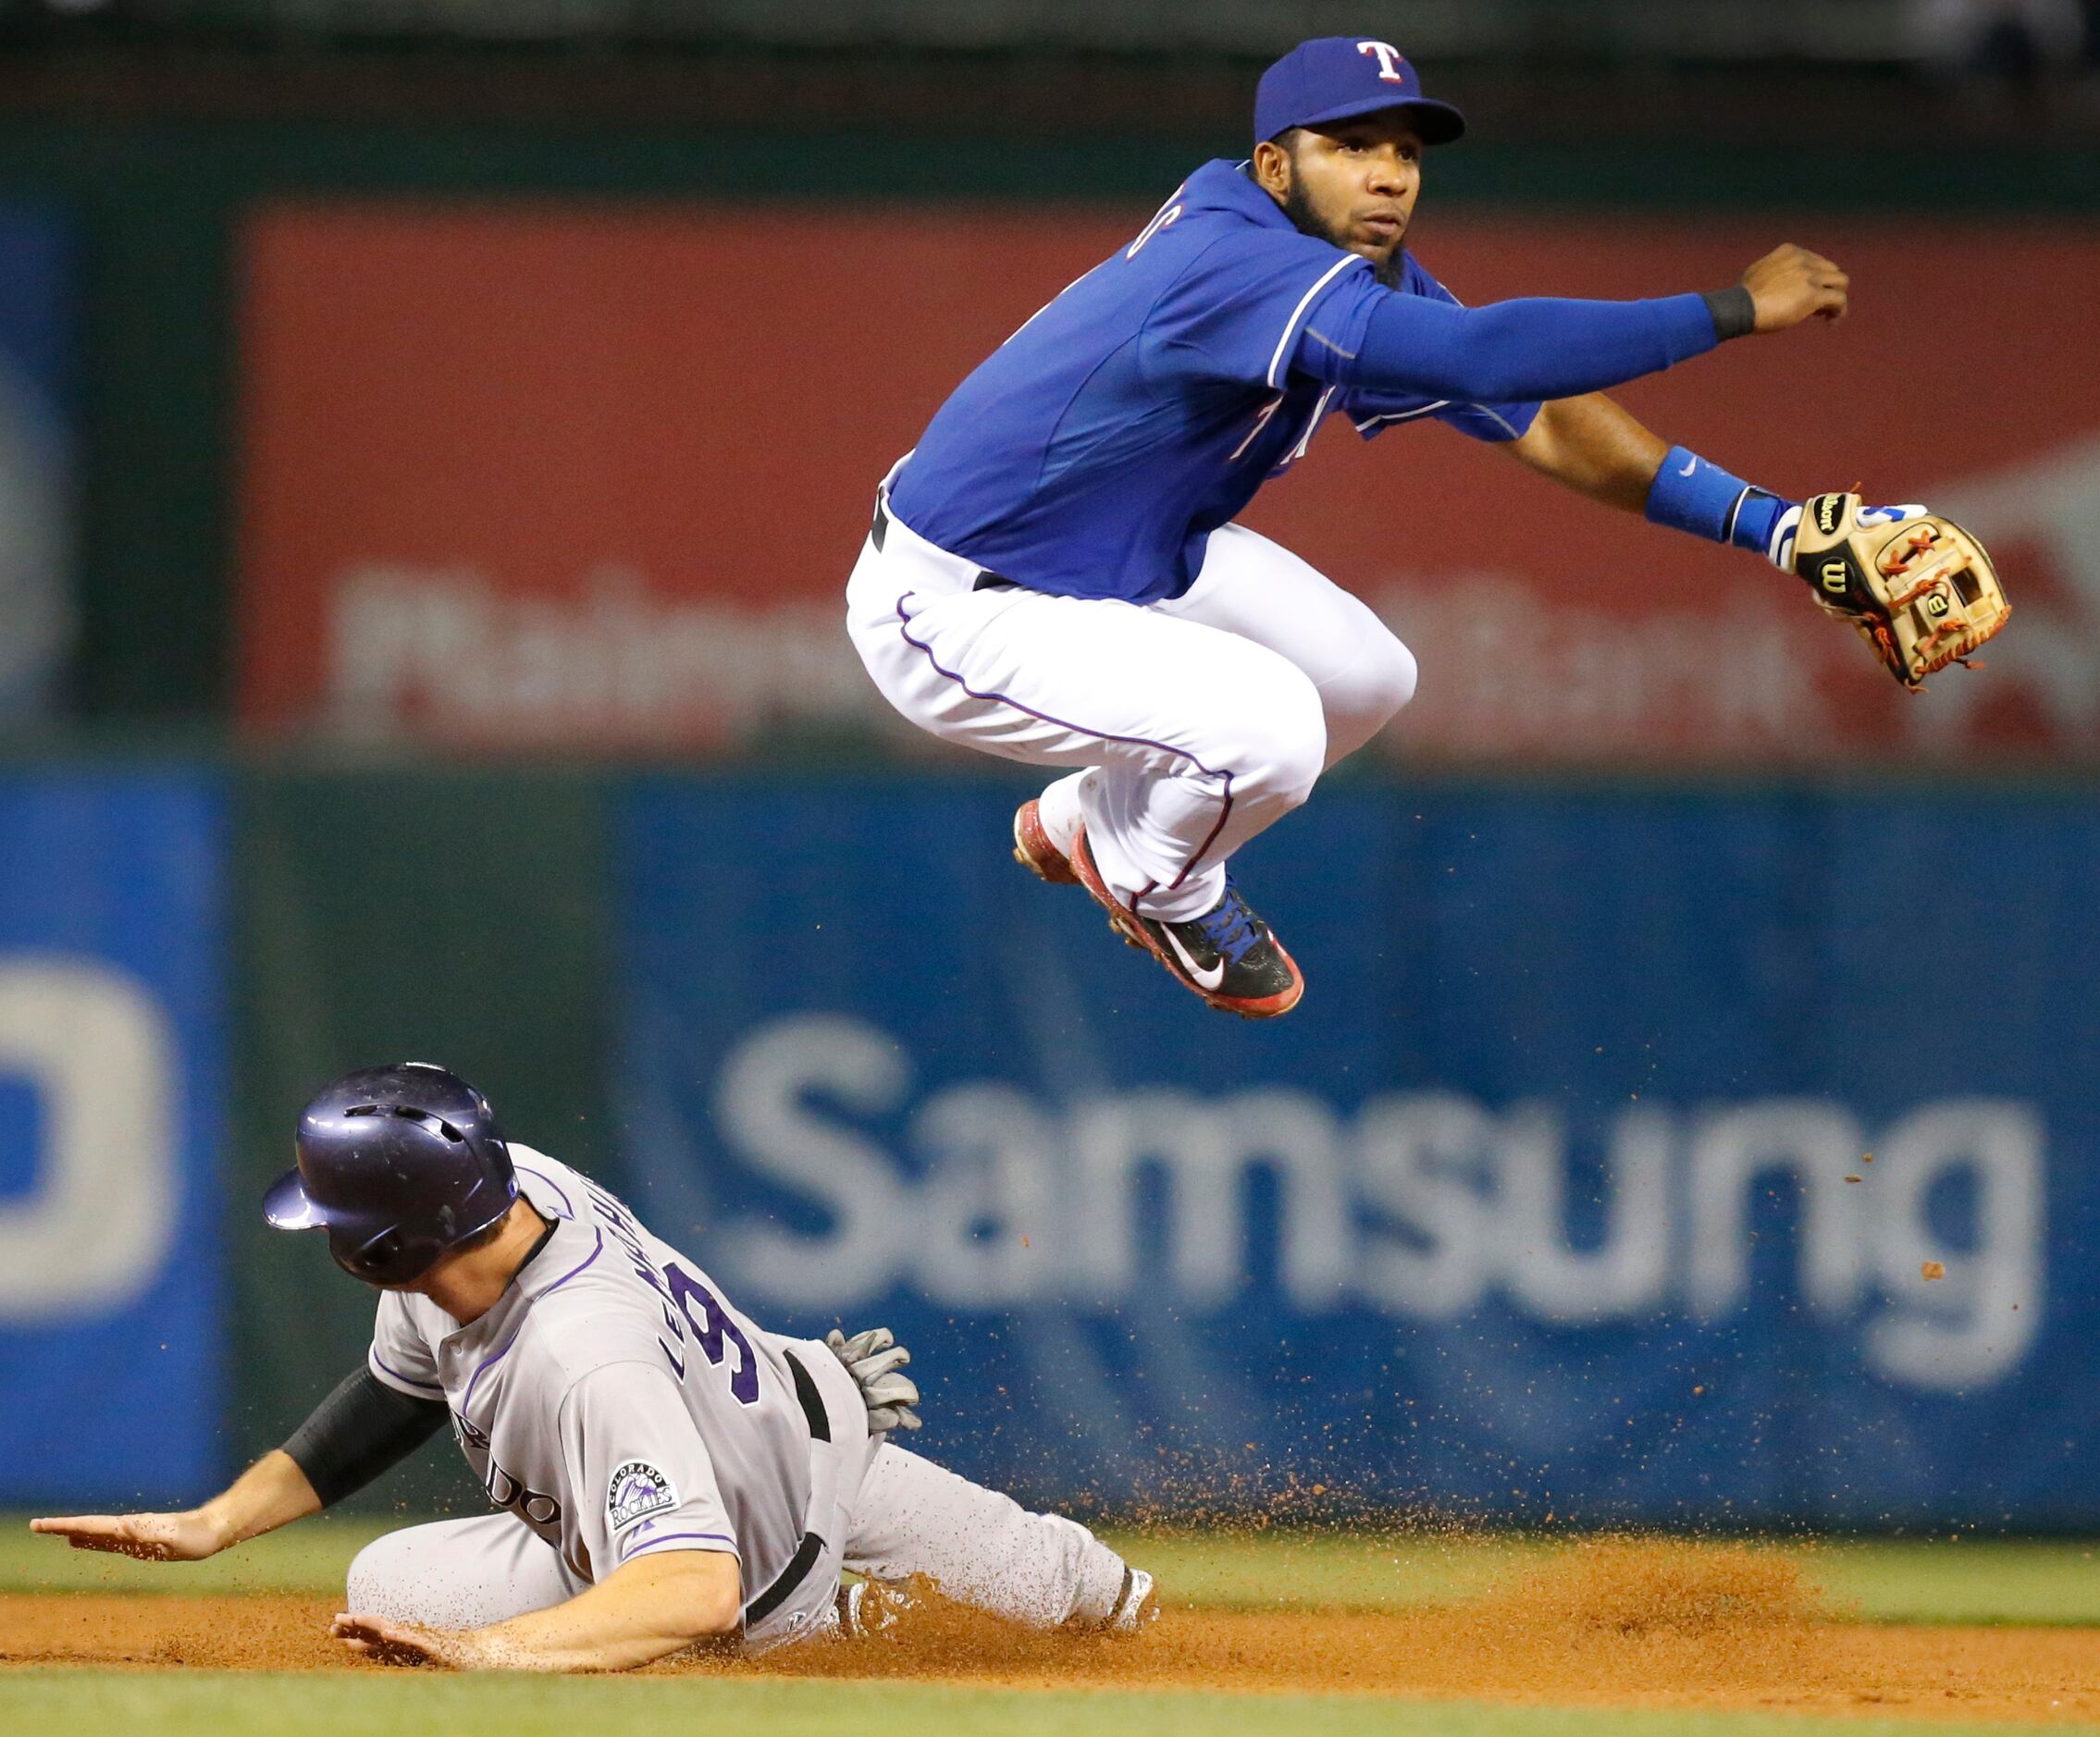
1541 1203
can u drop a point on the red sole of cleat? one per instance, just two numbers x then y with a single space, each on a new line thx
1135 934
1035 853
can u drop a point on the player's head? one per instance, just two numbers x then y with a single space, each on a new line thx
1339 127
400 1165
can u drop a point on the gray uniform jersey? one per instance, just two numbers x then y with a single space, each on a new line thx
614 1400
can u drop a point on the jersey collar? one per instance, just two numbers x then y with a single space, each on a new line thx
565 1249
570 1247
1224 185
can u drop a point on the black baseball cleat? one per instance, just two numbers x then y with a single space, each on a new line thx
1228 956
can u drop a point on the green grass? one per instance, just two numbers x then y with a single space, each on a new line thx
218 1705
1879 1580
1920 1581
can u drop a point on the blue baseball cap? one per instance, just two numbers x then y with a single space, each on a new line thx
1339 78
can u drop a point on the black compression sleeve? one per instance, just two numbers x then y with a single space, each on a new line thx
362 1429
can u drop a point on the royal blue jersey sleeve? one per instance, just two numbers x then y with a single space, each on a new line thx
1534 347
1373 411
1242 308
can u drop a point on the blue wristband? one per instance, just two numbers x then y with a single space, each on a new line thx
1693 494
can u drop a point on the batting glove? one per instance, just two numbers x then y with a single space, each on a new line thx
875 1359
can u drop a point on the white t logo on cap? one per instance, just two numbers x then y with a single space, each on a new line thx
1390 58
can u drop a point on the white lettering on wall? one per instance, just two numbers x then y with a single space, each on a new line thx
1421 1204
96 1225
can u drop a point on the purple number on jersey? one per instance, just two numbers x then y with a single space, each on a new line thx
713 1326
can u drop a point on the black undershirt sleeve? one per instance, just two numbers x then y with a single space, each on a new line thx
362 1429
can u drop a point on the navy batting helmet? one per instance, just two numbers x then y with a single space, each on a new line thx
397 1164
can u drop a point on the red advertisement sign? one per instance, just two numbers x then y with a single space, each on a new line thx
593 479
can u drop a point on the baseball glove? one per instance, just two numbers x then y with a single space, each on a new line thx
1920 590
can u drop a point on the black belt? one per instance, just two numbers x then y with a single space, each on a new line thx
811 1546
812 1401
986 579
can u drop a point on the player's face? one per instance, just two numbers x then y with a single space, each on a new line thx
1354 184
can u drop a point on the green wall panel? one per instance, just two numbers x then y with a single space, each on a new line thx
451 916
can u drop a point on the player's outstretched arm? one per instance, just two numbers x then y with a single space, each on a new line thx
1553 347
356 1433
655 1605
271 1493
1597 448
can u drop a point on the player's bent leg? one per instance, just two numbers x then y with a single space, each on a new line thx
1258 589
982 1548
1202 738
1161 844
1195 739
1199 926
459 1573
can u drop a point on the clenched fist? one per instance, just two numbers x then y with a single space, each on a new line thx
1790 284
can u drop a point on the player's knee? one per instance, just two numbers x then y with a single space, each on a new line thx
1363 697
1393 677
370 1588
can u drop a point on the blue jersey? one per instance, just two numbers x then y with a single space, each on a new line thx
1095 450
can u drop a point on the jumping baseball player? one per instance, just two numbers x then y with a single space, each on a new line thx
1053 574
668 1472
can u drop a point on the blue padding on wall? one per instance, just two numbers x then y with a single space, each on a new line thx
112 1058
1540 1203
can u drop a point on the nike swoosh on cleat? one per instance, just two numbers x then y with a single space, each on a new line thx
1690 465
1208 980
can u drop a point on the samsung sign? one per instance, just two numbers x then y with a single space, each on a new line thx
1420 1204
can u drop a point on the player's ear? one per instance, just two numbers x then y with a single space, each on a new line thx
1272 167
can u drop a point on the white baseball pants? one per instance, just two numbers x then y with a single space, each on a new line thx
911 1517
1193 724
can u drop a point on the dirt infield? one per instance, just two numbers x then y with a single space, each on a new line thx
1612 1623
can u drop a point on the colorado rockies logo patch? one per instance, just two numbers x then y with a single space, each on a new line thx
637 1490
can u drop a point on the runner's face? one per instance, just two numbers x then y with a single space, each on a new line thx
1355 183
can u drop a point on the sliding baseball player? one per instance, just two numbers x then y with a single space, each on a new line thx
664 1472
